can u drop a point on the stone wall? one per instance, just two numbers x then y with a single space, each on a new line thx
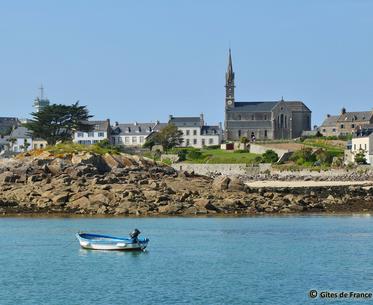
260 149
224 169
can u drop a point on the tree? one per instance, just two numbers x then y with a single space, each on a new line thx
169 137
58 122
269 156
360 157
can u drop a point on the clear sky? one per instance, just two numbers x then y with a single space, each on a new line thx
142 60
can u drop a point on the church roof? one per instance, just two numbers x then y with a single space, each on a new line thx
267 106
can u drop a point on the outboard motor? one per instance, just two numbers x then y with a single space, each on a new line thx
134 234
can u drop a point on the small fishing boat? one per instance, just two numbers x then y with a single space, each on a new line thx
105 242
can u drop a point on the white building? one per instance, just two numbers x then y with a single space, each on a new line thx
101 131
133 134
20 139
196 133
364 143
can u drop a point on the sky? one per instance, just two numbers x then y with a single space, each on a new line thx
143 60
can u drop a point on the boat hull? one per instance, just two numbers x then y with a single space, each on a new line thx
110 243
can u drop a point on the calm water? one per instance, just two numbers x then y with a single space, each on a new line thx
263 260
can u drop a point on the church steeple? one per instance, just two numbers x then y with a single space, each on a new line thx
229 83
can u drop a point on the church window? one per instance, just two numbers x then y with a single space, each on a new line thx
194 132
281 121
265 117
239 117
265 133
187 132
286 121
239 133
252 117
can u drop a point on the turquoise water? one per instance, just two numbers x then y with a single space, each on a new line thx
258 260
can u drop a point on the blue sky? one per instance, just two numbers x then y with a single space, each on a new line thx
143 60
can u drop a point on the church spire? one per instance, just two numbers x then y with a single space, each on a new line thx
229 83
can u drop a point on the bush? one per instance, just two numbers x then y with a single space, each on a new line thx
360 157
270 156
182 154
194 154
303 155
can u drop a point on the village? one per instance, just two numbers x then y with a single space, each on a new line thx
253 132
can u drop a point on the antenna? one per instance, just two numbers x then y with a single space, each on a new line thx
41 91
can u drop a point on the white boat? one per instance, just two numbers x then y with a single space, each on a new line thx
105 242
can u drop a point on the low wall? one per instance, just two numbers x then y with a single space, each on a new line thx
224 169
260 149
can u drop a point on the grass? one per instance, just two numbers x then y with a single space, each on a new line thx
219 156
73 148
330 146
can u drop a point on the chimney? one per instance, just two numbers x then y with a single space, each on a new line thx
116 124
328 115
170 117
220 126
343 111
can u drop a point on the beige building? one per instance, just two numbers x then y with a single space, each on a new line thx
365 144
345 123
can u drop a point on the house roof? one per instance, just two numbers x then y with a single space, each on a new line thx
100 125
186 121
8 122
20 133
137 128
355 116
330 121
210 130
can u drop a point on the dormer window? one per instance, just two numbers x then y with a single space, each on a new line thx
149 129
128 129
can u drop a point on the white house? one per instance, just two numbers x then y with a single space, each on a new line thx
196 133
133 134
101 131
20 139
364 143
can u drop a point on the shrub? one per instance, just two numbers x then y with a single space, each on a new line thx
270 156
303 155
182 154
360 157
194 154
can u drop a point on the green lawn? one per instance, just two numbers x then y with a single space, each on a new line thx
218 156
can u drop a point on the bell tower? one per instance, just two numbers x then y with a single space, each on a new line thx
229 84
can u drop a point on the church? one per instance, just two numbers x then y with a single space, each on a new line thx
262 120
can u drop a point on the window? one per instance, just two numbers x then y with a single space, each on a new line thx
126 140
141 139
194 132
35 146
187 142
252 117
211 141
203 142
194 141
91 134
187 132
352 125
134 140
80 134
239 133
95 141
334 130
101 134
365 147
354 146
239 117
120 140
359 146
41 145
265 133
323 130
342 126
265 117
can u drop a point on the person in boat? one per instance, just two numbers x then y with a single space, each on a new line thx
134 235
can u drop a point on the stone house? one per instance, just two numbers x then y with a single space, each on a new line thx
262 119
346 123
196 133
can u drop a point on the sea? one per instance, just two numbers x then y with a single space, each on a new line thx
217 260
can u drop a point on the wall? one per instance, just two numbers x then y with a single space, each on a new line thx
260 149
89 138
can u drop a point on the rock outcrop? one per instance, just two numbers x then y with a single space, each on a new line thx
87 183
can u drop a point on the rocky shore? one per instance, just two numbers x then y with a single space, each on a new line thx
89 184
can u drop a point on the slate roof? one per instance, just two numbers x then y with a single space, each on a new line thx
186 121
8 122
267 106
100 125
330 121
210 130
137 128
20 133
355 116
